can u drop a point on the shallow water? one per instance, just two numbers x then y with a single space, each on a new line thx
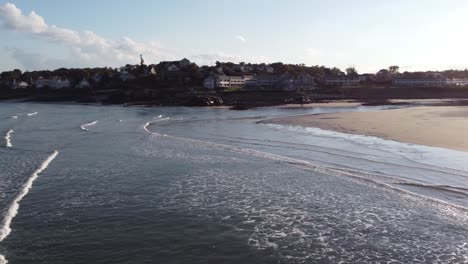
196 185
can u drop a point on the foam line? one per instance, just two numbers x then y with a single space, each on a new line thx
147 124
12 211
8 138
319 168
85 126
32 114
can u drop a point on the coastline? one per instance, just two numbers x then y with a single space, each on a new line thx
436 126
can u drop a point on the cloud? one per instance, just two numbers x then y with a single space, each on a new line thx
35 61
240 38
86 48
313 52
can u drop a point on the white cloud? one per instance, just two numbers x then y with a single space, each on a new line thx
86 48
313 52
241 38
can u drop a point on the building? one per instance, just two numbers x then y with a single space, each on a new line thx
184 63
83 84
125 76
457 81
54 82
175 65
152 71
425 82
172 68
22 85
224 81
209 82
267 80
17 85
342 81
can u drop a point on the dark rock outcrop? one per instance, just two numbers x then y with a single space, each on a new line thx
204 101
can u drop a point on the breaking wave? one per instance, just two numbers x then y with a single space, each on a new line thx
85 126
5 228
32 114
361 177
149 123
8 138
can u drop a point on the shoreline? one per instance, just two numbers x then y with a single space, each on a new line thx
435 126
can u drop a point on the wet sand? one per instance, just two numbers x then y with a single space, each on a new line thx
438 126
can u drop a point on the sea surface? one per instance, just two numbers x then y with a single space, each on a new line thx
111 184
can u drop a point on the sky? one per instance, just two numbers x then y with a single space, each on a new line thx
366 34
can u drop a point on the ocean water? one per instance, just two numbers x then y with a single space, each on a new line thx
109 184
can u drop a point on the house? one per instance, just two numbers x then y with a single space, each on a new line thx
54 82
366 77
304 81
184 63
22 85
125 76
175 65
172 68
209 82
83 84
457 81
266 80
97 78
224 81
289 82
423 82
342 81
220 70
152 72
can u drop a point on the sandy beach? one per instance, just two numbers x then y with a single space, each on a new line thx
438 126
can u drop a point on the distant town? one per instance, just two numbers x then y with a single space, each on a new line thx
225 83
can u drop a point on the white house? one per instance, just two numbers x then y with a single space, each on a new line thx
229 81
457 81
152 71
54 82
83 84
23 85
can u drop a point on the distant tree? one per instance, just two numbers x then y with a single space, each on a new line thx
336 72
393 69
351 71
10 75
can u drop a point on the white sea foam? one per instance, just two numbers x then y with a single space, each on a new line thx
149 123
3 260
85 126
322 169
424 154
5 228
32 114
8 138
14 116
